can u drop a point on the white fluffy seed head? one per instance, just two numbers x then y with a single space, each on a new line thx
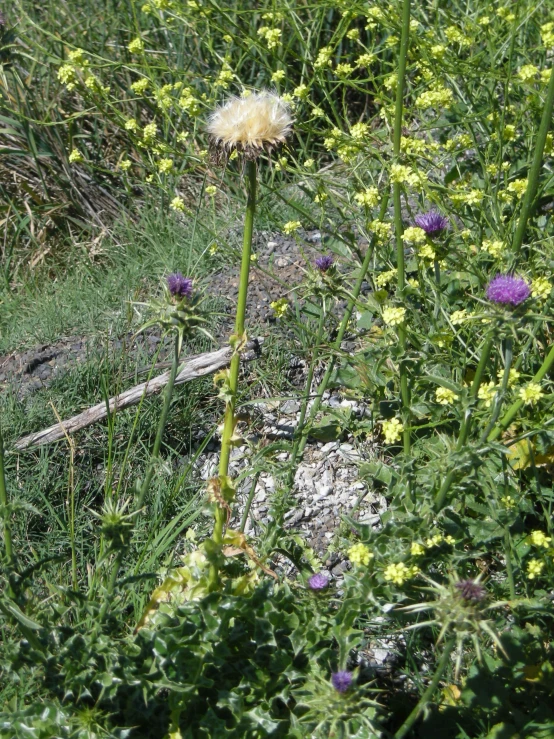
252 124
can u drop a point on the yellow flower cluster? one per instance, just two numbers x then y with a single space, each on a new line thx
417 147
413 235
540 288
140 86
405 175
368 197
383 279
291 227
455 36
547 34
323 57
392 430
271 35
487 393
280 307
359 131
531 393
136 46
211 190
278 76
417 550
438 97
509 132
359 554
75 157
494 248
177 204
165 166
518 187
344 69
513 376
398 573
458 317
528 72
540 539
427 252
445 396
473 197
301 92
149 132
381 229
393 316
534 568
365 60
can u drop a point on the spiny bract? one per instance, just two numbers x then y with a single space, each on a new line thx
251 124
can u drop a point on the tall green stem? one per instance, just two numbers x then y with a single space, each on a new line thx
398 228
428 694
514 409
4 503
466 423
229 420
535 171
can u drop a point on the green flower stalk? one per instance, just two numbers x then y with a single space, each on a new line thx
250 126
535 171
398 228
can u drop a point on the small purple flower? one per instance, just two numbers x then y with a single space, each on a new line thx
342 680
432 223
470 590
324 263
318 581
508 289
179 286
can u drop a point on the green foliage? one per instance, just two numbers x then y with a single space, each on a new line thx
103 110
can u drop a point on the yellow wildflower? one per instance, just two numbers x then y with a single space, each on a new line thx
540 288
211 190
392 430
539 539
531 393
399 573
177 204
417 550
75 157
518 187
136 46
413 235
165 166
383 279
445 396
534 568
359 554
393 316
140 86
487 393
527 72
368 197
291 227
280 307
278 76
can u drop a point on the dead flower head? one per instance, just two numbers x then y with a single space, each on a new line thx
250 125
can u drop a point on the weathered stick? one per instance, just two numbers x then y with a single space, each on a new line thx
196 366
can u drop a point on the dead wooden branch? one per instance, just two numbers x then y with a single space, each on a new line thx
199 365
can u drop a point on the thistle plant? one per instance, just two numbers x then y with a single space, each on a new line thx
249 126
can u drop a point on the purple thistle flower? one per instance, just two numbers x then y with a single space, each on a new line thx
508 289
179 286
324 263
470 590
318 581
432 223
342 680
